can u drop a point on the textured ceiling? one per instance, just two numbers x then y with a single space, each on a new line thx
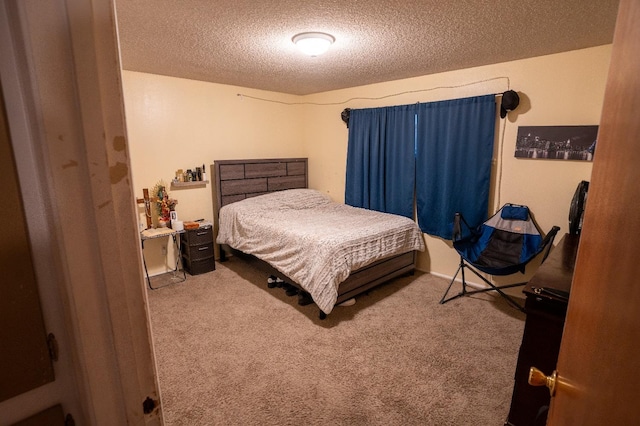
248 42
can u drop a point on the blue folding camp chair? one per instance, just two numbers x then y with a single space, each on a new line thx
502 245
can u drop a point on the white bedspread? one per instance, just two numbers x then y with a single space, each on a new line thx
315 241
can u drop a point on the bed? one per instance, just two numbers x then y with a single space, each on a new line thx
329 250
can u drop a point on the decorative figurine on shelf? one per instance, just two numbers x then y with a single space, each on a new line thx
164 204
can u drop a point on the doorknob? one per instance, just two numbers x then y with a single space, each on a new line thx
538 378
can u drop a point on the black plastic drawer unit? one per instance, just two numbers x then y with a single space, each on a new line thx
196 246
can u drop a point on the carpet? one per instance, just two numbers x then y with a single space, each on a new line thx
231 351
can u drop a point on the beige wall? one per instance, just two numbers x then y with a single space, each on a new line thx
174 123
562 89
196 122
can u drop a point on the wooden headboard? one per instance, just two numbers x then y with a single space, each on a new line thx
240 179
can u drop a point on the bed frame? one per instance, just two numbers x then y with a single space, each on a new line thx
240 179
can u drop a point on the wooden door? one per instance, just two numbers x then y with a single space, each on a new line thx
599 363
24 359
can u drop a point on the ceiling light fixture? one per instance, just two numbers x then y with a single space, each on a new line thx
313 44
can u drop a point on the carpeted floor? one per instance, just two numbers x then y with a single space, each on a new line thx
231 351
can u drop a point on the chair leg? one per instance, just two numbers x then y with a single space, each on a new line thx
492 287
463 292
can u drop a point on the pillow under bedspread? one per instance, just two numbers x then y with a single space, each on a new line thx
313 240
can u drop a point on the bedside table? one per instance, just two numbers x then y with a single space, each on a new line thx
196 246
149 234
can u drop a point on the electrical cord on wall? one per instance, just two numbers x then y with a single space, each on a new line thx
406 92
499 166
502 130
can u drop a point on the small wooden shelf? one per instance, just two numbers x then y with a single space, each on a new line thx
185 185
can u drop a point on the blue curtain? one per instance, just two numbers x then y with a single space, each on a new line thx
381 159
453 167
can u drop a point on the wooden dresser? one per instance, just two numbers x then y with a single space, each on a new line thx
542 332
196 247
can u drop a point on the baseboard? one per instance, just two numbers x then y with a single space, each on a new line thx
478 286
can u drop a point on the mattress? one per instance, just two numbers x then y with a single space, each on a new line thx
313 240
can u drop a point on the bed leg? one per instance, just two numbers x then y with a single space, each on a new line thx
322 315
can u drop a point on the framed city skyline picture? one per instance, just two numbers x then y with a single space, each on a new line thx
556 142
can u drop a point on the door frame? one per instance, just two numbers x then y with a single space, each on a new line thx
61 78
